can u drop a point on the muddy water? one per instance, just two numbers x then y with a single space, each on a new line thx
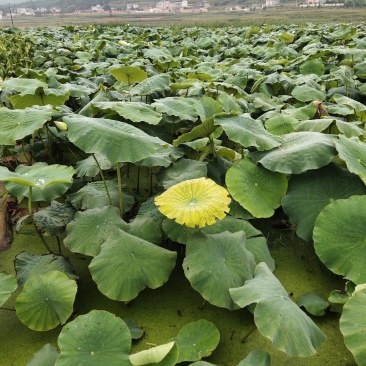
162 312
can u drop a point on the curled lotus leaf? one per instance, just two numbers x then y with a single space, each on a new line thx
195 202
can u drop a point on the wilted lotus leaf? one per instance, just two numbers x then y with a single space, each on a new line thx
46 356
163 355
256 358
195 202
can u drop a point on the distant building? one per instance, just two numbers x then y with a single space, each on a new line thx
24 11
315 2
180 5
97 8
132 7
270 3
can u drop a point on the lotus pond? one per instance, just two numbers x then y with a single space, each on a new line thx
183 196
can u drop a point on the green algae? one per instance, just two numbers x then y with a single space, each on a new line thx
163 311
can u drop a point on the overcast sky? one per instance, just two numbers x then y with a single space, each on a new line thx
7 2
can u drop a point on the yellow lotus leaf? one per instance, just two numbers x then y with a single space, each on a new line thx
194 202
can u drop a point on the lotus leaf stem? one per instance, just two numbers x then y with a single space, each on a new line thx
48 151
34 223
2 308
59 244
119 180
103 179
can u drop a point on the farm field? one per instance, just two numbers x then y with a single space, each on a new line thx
212 18
191 196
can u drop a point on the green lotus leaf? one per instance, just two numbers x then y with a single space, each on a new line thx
164 156
336 300
203 130
95 339
196 340
313 303
182 170
179 107
99 96
8 284
233 225
91 228
50 181
339 237
159 54
17 124
118 141
28 265
353 323
129 74
353 152
94 195
145 228
229 103
256 358
88 167
276 316
21 84
41 96
312 67
237 211
153 84
163 355
207 107
359 108
279 124
310 192
46 356
266 103
195 202
247 132
216 262
176 232
350 288
299 152
54 218
301 113
313 125
149 209
122 271
305 93
349 129
136 332
46 301
257 189
341 110
39 175
254 242
133 111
